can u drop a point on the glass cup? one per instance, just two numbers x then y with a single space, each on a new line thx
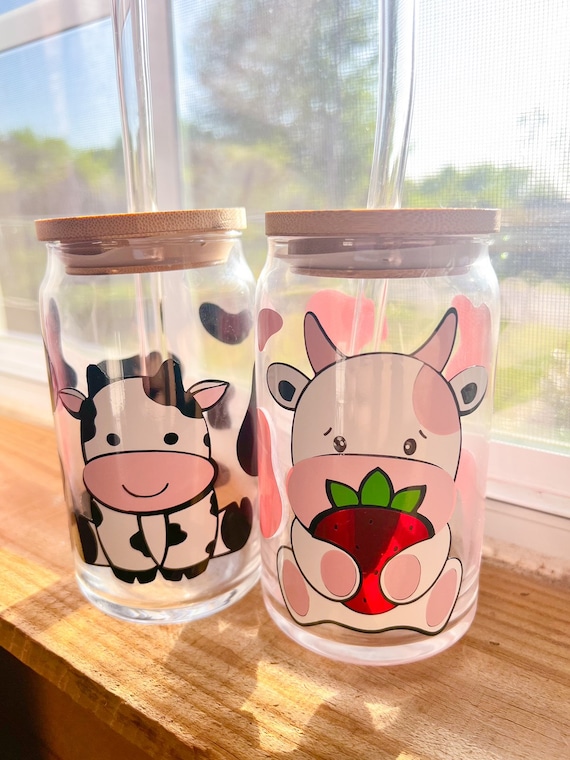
376 342
147 322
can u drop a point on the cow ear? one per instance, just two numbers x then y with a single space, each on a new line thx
72 400
286 384
469 388
321 351
208 392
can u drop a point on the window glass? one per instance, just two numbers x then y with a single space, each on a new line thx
277 106
491 128
276 109
60 152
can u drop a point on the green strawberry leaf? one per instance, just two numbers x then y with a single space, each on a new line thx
376 489
408 499
341 495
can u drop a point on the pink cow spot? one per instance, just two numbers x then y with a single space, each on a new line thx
295 588
270 504
434 405
269 322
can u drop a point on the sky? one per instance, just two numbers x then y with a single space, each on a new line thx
491 85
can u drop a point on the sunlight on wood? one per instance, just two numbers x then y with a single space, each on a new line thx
21 579
382 715
274 682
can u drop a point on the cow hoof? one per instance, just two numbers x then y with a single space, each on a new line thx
402 577
176 574
295 590
338 573
130 576
443 596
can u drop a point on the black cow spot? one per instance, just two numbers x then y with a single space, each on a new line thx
175 535
246 447
139 544
236 524
87 538
210 548
213 505
224 326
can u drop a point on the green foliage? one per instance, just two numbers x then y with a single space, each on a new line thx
481 186
293 81
45 176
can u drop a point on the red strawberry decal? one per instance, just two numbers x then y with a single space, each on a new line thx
372 524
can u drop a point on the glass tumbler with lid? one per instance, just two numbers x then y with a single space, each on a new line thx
147 322
376 342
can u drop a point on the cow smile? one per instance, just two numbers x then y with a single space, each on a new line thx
145 495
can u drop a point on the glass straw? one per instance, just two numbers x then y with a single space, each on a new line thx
396 68
133 76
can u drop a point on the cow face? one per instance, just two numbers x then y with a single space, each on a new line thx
384 404
145 440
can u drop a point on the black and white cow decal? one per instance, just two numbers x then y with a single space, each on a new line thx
376 443
150 475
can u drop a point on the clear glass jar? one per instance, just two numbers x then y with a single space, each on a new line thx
148 327
376 336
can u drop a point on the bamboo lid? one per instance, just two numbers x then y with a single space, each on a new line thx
405 221
140 225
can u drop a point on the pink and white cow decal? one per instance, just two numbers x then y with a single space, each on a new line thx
376 442
150 475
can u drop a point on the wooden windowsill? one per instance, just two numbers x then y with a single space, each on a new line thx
76 683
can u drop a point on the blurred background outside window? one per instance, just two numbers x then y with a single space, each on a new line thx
272 105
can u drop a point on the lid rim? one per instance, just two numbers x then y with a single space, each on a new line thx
139 224
450 221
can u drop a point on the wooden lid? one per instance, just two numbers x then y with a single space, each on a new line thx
143 224
405 221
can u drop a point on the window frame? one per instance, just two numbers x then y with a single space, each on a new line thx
528 489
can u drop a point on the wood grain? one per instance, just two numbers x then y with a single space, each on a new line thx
404 221
233 686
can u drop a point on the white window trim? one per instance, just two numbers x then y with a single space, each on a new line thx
528 489
44 18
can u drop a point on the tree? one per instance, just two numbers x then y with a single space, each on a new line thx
296 80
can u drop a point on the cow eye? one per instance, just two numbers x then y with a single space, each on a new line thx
410 447
171 439
339 443
113 439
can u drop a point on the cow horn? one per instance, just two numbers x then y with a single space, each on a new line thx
320 349
437 348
